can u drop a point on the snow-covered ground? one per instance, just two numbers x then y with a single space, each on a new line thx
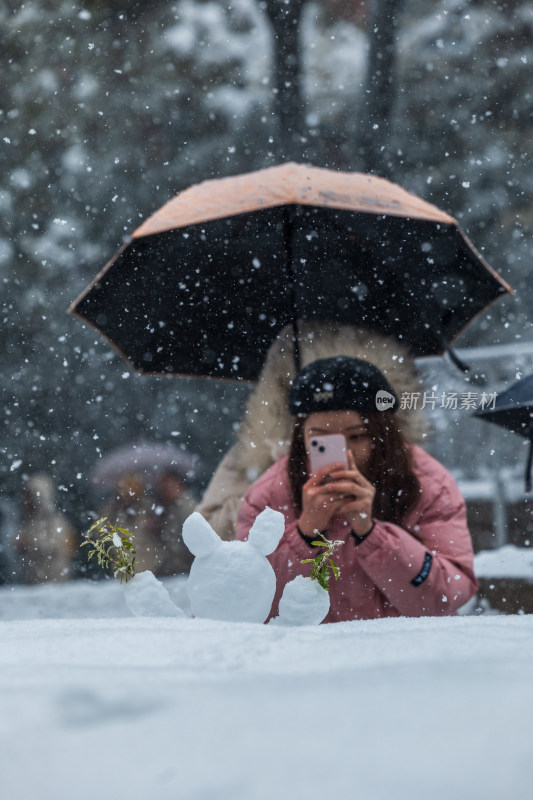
508 561
98 704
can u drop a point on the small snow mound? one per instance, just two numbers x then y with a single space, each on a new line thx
145 596
304 602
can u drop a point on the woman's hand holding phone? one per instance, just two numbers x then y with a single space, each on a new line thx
319 503
334 489
358 496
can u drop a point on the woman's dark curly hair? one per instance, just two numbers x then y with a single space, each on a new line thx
390 469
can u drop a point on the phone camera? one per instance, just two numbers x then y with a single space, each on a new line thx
314 443
321 449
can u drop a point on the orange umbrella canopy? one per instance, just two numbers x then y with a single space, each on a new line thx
206 283
288 184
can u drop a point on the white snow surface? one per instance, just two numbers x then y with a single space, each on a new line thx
97 703
508 561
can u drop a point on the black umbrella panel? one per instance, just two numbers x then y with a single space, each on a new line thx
210 298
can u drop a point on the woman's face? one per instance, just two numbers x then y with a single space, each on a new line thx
350 424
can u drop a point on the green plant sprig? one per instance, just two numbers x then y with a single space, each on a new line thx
323 564
113 547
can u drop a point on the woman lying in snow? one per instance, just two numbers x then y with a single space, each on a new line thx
266 430
407 550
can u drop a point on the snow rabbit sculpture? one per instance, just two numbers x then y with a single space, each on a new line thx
232 581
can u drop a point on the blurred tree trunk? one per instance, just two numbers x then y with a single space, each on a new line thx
381 87
288 103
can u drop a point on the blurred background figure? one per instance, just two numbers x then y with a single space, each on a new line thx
4 568
10 567
174 504
148 488
131 507
46 541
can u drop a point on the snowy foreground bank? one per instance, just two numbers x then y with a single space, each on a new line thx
96 703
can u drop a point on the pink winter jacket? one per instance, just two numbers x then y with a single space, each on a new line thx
422 568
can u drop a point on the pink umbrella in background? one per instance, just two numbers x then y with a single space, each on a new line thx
147 459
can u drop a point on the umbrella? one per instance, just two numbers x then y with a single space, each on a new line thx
206 283
513 409
146 458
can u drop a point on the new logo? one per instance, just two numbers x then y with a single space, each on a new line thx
384 400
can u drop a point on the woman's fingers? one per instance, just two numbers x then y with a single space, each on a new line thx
351 475
340 490
354 506
347 487
335 489
320 496
316 483
324 499
324 472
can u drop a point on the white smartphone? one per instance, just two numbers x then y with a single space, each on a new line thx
328 449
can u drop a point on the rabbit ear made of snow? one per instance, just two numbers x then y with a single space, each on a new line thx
267 530
199 536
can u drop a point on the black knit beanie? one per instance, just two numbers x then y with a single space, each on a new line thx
340 384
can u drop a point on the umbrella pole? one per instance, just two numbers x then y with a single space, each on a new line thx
455 359
446 347
528 465
296 346
287 241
